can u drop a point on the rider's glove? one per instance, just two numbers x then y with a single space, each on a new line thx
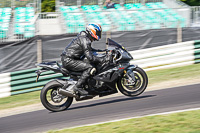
108 58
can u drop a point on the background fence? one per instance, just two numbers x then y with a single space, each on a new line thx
18 19
195 16
72 19
102 2
147 23
23 55
161 57
21 3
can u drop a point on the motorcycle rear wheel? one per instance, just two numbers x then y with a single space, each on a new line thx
52 100
139 86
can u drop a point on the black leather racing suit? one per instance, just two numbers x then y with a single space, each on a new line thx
72 54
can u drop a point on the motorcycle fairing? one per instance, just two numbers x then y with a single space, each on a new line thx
112 74
112 43
125 55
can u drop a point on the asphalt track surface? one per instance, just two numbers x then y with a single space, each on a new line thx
150 102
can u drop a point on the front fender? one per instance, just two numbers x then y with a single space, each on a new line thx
131 67
54 81
61 81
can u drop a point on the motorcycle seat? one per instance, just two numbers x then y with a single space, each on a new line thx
71 72
56 67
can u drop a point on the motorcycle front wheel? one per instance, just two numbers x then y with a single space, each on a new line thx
52 100
133 88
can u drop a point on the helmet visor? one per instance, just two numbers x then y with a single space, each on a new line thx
98 33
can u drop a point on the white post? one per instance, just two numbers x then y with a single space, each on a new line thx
143 2
100 2
39 51
179 32
57 4
40 6
121 2
79 3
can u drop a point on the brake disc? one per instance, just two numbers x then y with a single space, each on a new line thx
56 97
133 85
137 81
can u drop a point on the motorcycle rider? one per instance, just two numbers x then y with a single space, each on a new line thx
79 48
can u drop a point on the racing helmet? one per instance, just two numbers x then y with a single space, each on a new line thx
94 30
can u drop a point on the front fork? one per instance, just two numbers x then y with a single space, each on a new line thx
130 74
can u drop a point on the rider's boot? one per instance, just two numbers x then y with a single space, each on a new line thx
78 87
80 90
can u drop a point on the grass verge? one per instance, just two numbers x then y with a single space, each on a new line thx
184 122
20 100
186 72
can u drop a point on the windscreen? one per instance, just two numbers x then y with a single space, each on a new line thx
112 44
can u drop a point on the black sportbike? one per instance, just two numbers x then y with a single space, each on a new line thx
118 74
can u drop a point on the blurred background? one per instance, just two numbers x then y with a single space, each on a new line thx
22 19
163 36
34 31
147 23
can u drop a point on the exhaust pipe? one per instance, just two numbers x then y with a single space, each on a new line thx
66 93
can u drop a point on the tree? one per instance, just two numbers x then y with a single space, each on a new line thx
192 2
48 5
5 3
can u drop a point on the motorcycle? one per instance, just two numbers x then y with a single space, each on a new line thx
109 78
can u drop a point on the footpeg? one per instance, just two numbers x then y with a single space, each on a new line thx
84 97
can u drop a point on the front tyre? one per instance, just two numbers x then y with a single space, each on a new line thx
52 100
131 88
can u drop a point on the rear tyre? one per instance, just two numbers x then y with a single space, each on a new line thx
52 100
128 89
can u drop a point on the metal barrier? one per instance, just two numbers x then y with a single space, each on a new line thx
195 16
20 82
167 56
162 57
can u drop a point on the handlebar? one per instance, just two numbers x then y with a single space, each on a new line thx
116 55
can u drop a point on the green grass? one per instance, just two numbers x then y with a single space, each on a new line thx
184 122
19 100
186 72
